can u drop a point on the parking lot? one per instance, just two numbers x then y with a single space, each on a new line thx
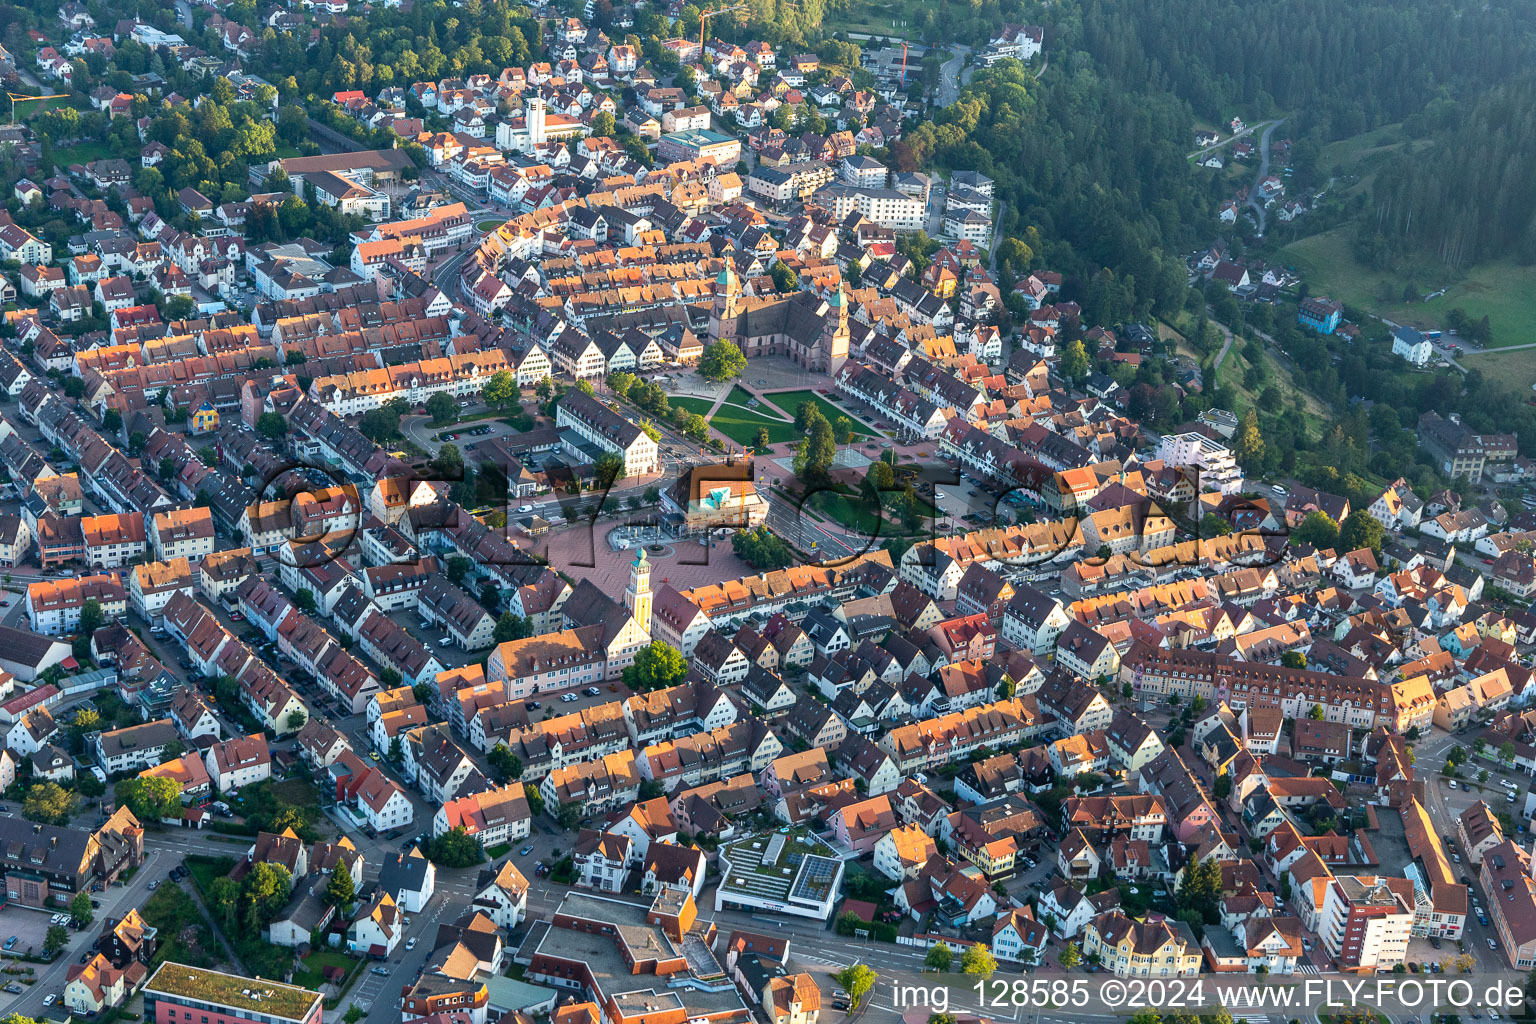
29 927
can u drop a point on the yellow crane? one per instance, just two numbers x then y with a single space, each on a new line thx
14 96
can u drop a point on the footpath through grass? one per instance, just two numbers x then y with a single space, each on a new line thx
789 401
737 421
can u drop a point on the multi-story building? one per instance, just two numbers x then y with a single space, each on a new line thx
182 533
135 748
1360 703
1367 920
176 994
1507 870
887 207
54 606
43 863
1164 948
1215 461
597 429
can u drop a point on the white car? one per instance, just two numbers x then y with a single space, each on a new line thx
410 943
525 508
50 999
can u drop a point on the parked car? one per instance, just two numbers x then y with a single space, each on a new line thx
410 943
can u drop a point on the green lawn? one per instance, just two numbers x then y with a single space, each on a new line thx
205 869
499 850
309 973
738 422
83 153
851 512
789 401
26 108
489 225
1499 289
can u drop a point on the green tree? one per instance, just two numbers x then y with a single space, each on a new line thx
1293 659
92 617
457 569
608 469
761 439
856 981
1360 530
305 601
510 626
978 960
442 408
49 803
56 939
939 957
341 890
506 765
150 798
759 548
1248 443
1200 890
80 909
1074 363
722 361
1070 956
1317 713
1213 525
263 893
455 848
296 719
271 425
603 125
1318 530
500 391
224 902
657 666
84 722
814 455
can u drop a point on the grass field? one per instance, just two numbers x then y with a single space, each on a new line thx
882 18
489 225
789 401
26 108
1517 369
309 972
83 153
741 424
1499 290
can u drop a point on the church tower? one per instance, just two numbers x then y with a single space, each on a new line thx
722 315
637 597
835 338
533 118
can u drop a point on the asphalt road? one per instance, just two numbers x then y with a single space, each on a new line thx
1253 194
952 75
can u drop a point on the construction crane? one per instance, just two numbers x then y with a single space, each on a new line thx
705 15
14 96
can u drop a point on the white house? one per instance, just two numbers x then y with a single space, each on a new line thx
1411 345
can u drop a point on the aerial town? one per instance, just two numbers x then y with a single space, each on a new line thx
646 514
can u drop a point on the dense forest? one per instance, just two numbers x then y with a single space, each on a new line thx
1470 195
1344 67
1093 175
